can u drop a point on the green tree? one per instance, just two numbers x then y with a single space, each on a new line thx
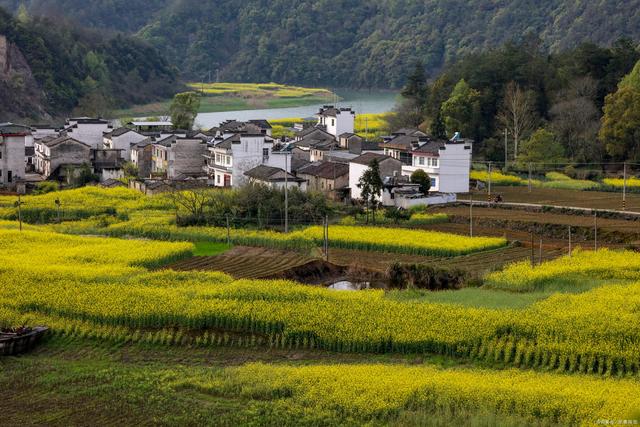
461 112
416 87
542 147
184 109
437 128
422 178
620 129
370 185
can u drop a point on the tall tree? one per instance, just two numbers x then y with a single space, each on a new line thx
461 112
184 109
416 88
370 184
542 147
517 114
620 129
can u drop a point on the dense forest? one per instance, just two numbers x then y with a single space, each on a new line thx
54 68
341 42
578 106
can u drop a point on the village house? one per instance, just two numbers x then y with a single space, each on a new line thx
327 177
228 159
55 155
107 163
446 162
176 157
122 139
142 157
389 167
275 178
87 130
13 141
336 121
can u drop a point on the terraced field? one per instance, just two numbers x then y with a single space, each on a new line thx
476 263
244 262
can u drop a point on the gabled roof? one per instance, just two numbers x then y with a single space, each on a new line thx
142 144
327 170
270 174
331 111
55 141
431 147
13 129
262 124
319 129
348 135
117 132
366 158
166 142
409 132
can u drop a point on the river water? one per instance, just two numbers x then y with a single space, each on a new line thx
363 102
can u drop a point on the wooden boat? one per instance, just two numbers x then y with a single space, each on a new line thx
20 340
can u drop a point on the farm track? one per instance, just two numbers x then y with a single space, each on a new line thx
245 262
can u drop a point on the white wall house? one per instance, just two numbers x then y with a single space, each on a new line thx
446 162
122 139
87 130
13 140
228 160
388 167
337 121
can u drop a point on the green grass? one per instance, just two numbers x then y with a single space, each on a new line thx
67 382
210 248
471 297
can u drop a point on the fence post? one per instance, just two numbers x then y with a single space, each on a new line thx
624 188
489 186
533 261
569 241
228 230
57 202
529 177
470 214
19 206
540 254
326 237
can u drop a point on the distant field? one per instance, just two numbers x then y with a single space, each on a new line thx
369 126
219 97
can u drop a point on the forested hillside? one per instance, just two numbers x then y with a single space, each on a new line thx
342 42
49 67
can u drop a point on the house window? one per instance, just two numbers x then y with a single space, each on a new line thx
10 176
218 179
433 182
434 163
265 153
333 122
421 161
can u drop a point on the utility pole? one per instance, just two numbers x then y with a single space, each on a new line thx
624 188
57 202
529 177
540 252
228 230
533 259
489 187
506 151
569 241
286 194
470 214
595 230
326 237
19 206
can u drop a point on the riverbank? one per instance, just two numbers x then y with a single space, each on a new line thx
223 97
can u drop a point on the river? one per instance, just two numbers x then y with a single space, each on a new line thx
363 102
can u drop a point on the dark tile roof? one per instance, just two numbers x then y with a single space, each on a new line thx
117 132
262 124
53 141
269 173
331 111
366 158
409 132
431 147
321 130
14 129
327 170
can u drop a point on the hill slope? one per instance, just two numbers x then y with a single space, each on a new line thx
342 42
49 68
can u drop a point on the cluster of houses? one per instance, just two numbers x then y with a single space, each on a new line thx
328 157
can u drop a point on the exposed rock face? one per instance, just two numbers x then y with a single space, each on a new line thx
18 89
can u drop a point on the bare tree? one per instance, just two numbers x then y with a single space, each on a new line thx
517 114
193 201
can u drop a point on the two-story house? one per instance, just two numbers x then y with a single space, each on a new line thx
141 157
122 139
228 159
54 154
13 143
87 130
388 166
336 121
446 162
176 157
